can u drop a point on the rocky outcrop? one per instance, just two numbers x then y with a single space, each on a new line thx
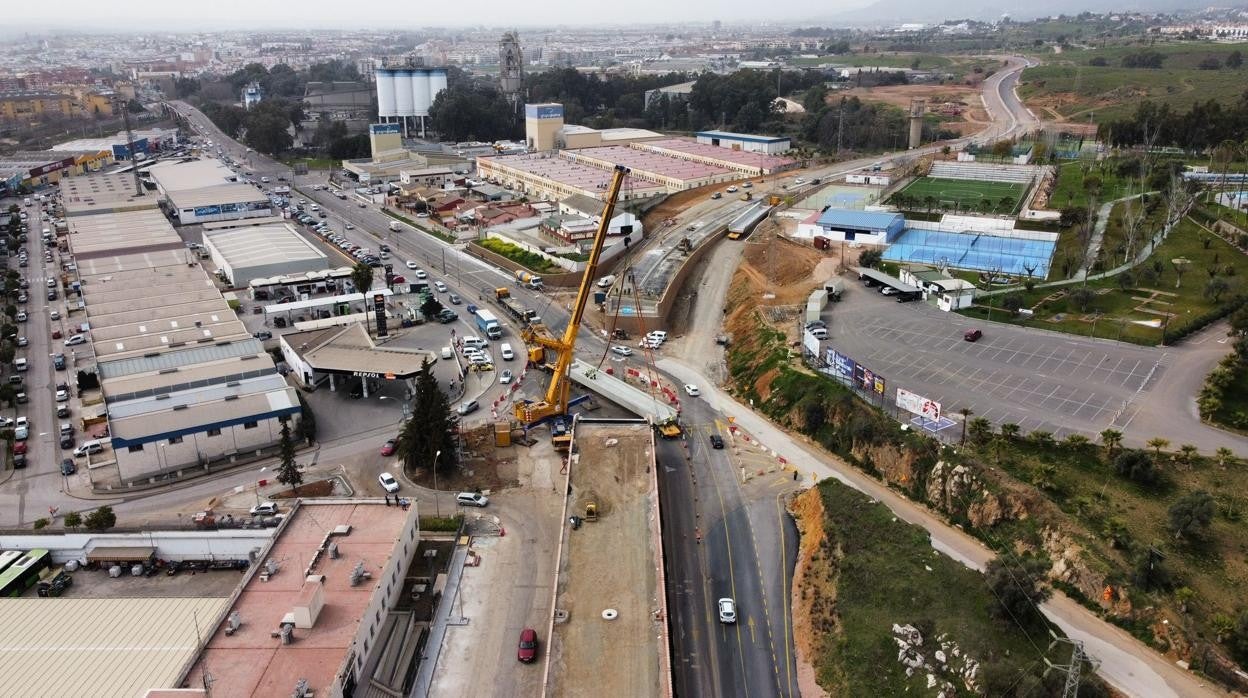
1070 565
896 465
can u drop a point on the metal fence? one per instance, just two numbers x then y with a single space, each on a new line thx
874 389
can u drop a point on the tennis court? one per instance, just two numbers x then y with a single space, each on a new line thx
960 194
972 250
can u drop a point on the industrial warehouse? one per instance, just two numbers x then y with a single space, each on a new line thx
260 252
181 383
204 191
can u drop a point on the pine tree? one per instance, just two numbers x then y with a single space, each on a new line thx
430 428
288 470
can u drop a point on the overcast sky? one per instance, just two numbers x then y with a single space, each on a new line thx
143 15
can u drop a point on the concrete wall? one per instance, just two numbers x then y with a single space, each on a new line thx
227 544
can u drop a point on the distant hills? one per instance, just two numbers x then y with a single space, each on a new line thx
927 11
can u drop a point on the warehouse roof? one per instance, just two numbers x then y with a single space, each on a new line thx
197 174
845 218
103 193
218 195
263 244
747 137
128 231
128 645
182 417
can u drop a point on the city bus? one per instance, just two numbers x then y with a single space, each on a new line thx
23 573
8 557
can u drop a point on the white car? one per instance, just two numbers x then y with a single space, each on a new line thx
659 336
62 395
410 264
75 339
727 610
264 509
348 226
388 483
505 376
441 287
421 274
732 190
622 351
692 390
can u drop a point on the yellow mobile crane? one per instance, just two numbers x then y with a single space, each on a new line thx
556 398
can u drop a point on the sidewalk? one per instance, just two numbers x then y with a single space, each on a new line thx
1126 664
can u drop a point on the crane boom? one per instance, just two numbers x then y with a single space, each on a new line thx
556 398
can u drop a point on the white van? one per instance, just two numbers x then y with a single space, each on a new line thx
475 342
89 448
506 352
20 364
394 225
818 333
606 281
446 353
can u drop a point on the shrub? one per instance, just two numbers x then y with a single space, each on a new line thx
101 519
1136 466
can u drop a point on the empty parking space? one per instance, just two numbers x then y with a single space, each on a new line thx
1039 380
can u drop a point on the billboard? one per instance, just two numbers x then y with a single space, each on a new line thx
381 129
842 365
917 404
543 111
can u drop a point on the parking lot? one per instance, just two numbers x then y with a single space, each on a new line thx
1036 379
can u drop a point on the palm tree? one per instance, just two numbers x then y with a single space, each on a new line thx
362 277
980 429
1112 439
1076 442
1041 438
1157 443
966 413
1010 430
1188 453
1223 454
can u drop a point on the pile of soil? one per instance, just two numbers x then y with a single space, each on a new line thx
483 467
316 488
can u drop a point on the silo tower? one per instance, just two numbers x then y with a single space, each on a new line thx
511 69
917 107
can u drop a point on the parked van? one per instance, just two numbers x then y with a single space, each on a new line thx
20 364
446 353
394 225
88 448
506 352
818 333
475 342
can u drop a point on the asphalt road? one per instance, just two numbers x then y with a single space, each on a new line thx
722 541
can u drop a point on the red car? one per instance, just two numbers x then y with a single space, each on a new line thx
528 646
972 335
388 448
399 280
19 447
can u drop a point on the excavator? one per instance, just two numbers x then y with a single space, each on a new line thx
542 342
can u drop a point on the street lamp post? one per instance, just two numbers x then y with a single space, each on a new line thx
437 504
258 485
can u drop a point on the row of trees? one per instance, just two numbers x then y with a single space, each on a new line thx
852 124
1204 125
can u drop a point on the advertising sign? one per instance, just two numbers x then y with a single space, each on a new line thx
917 404
201 211
543 111
879 384
379 304
843 365
380 129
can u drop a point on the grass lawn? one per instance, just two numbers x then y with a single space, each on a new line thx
1071 191
963 195
1083 484
315 163
1116 313
887 573
1112 91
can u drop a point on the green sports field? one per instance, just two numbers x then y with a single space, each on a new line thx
959 194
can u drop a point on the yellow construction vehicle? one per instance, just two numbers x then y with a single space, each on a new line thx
563 348
591 511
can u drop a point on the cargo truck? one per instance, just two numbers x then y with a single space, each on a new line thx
488 324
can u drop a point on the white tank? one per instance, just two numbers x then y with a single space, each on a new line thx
437 83
403 93
386 105
421 99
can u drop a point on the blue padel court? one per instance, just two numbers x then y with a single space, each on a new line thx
973 250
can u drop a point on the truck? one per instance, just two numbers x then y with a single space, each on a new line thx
395 226
519 312
529 279
488 324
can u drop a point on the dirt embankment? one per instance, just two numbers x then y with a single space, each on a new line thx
814 590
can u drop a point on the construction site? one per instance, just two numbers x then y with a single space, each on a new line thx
609 629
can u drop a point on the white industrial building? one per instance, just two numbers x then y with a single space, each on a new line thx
261 252
205 191
771 145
